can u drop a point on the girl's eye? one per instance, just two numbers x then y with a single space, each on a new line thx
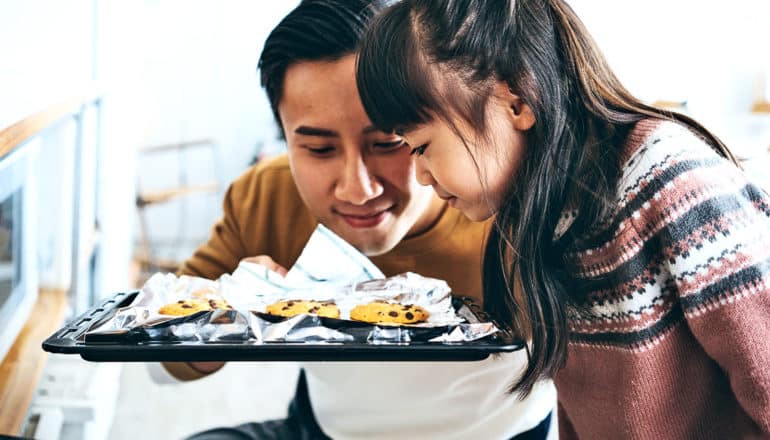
419 150
389 145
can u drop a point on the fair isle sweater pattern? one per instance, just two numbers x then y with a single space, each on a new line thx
689 235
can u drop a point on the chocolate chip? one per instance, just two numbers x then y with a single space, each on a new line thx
409 315
285 308
186 306
313 310
393 314
290 303
180 302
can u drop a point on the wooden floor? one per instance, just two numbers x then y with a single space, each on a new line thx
22 366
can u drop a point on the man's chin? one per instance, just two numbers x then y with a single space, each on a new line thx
369 241
377 250
371 245
373 248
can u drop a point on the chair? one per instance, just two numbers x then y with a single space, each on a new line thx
147 256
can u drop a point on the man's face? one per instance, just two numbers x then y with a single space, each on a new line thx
356 180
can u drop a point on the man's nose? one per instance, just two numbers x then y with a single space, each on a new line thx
357 184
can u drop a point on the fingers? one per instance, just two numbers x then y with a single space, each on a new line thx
206 367
268 262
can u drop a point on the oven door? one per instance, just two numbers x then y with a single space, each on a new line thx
18 244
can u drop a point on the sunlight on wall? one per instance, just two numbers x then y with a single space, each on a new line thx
200 73
195 62
710 54
46 40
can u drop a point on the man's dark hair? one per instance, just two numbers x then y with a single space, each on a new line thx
315 30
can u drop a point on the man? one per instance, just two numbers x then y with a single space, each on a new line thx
359 182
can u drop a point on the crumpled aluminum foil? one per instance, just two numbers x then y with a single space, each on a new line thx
247 322
328 269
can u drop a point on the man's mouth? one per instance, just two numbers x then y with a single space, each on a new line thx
368 219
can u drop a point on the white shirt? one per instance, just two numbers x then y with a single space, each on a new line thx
419 400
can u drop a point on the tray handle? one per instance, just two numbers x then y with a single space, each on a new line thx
75 329
506 333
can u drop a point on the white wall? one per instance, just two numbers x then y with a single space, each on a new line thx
199 81
47 49
119 70
708 53
45 41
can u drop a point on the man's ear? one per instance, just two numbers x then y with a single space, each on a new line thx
520 113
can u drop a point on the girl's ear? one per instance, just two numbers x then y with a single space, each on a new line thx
521 115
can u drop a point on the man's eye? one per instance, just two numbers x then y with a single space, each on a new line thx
320 150
389 145
419 150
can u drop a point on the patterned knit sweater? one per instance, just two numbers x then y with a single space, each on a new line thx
673 340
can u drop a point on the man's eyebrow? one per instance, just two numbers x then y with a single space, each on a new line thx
315 131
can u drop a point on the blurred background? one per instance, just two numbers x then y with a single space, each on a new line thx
168 110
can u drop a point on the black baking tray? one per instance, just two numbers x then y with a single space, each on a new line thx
72 339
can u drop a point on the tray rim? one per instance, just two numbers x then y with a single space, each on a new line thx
64 341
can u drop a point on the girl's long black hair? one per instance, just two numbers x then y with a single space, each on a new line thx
426 59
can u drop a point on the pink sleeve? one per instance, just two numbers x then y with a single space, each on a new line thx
716 246
566 430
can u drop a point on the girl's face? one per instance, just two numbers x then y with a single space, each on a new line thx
471 171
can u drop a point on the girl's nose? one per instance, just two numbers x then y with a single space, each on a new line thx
423 174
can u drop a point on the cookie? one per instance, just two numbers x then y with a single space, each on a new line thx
219 304
185 307
291 308
384 312
191 306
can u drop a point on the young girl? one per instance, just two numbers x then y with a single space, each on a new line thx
628 246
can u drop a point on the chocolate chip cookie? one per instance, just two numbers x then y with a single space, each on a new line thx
191 306
385 312
291 308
